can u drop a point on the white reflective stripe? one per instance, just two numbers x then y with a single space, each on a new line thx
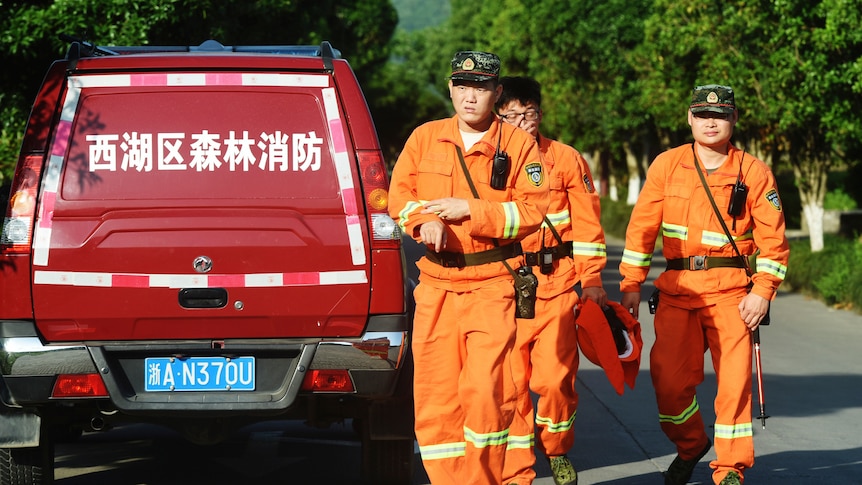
41 245
132 280
70 103
51 177
343 277
200 79
187 80
344 173
45 218
291 80
100 81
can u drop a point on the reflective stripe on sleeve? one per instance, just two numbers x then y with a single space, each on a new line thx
772 267
512 220
674 231
635 258
589 249
404 214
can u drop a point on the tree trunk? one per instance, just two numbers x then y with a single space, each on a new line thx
811 179
813 214
633 168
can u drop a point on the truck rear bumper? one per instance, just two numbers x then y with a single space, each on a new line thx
28 367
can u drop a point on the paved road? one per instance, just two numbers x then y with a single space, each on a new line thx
813 387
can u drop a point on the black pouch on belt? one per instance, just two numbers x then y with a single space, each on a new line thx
653 301
525 293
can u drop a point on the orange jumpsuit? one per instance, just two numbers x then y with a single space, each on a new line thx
464 321
546 348
698 308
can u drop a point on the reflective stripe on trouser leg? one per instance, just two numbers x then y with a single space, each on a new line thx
545 359
555 365
463 387
676 368
730 345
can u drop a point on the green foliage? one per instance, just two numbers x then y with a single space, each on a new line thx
833 275
615 217
11 133
418 14
837 199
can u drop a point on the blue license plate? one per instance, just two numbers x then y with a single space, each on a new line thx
199 374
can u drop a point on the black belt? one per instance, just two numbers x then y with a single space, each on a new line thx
558 252
448 259
706 262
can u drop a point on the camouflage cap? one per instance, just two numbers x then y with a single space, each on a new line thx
712 97
475 66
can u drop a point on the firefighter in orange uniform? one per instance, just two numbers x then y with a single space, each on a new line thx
707 298
464 322
570 249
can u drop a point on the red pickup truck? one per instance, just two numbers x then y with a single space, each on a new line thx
197 237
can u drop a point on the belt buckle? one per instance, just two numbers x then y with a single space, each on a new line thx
697 262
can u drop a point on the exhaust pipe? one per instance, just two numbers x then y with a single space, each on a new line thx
97 423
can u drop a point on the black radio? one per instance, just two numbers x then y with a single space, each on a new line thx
500 170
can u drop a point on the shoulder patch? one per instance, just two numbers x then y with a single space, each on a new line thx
588 184
774 200
535 173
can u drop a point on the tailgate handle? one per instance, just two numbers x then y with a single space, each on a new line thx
203 297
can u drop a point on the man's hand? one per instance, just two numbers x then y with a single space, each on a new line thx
752 309
448 209
631 301
433 235
595 293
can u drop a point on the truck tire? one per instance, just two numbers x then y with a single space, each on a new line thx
387 462
27 466
388 449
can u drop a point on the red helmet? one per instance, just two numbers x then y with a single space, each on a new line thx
611 339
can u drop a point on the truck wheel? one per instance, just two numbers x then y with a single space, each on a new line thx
27 466
387 462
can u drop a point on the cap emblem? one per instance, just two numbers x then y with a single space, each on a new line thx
712 97
468 65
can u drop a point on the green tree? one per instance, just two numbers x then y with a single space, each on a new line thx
795 67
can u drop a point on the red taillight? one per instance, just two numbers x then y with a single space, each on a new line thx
375 190
79 385
327 380
20 215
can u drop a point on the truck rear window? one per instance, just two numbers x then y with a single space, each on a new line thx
203 142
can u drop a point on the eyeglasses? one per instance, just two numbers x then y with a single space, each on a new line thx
529 115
